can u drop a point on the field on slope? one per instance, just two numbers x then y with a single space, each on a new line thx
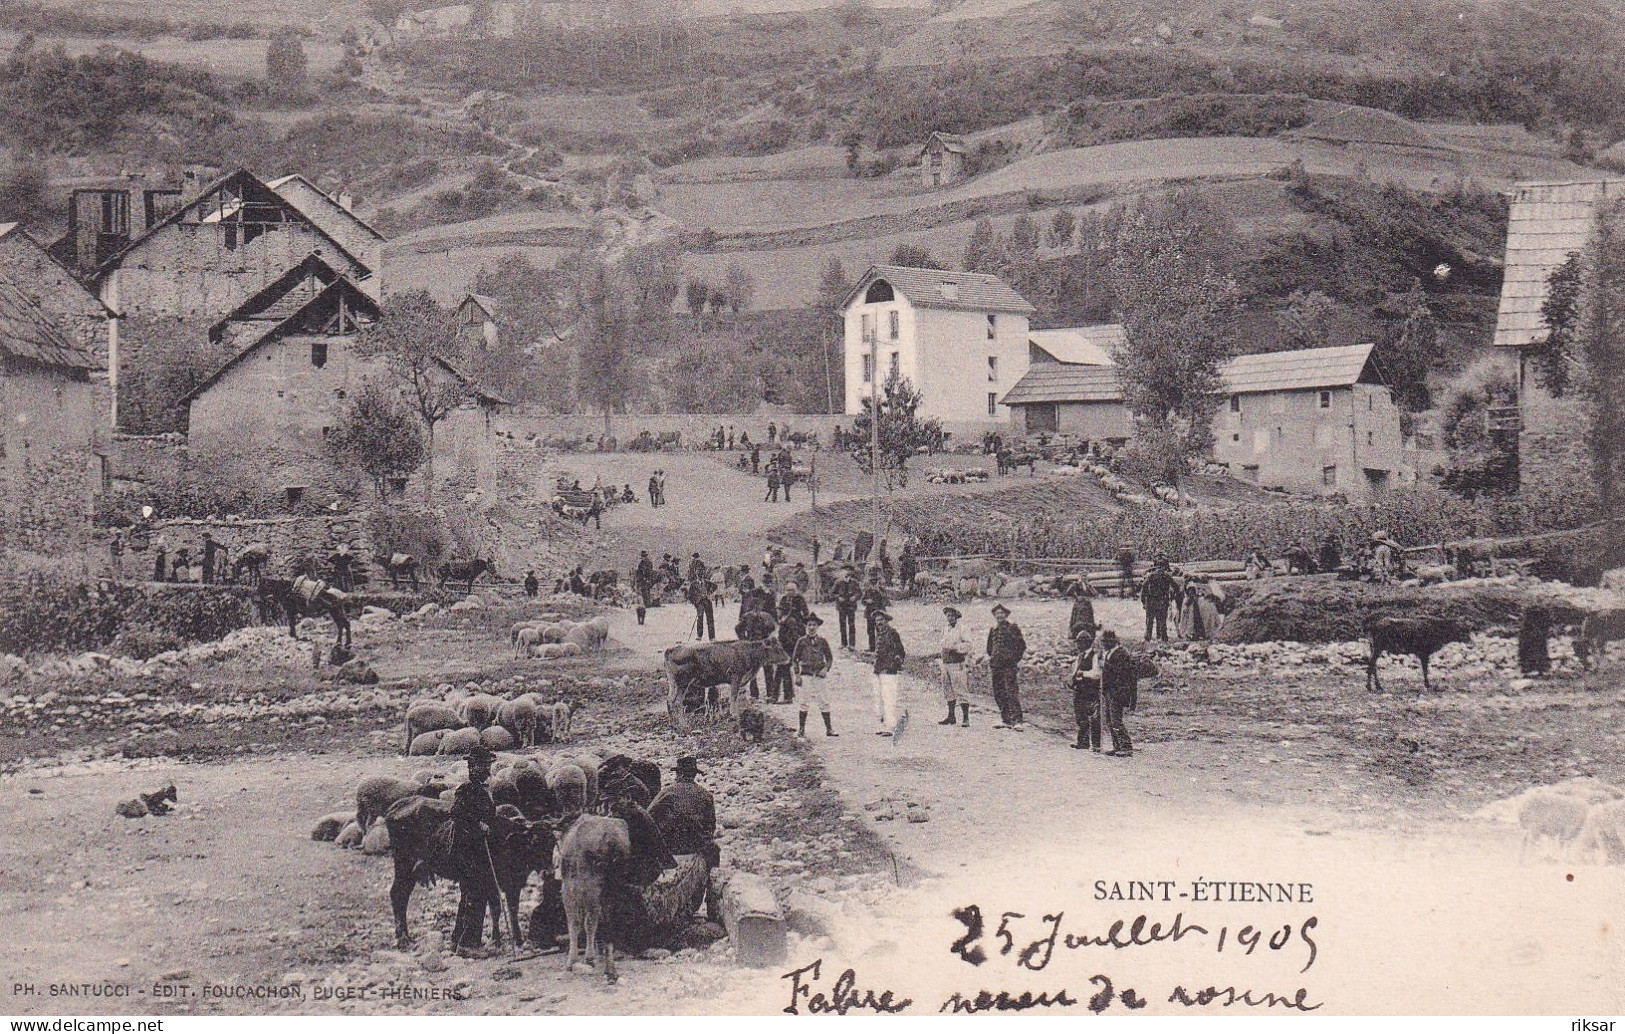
237 58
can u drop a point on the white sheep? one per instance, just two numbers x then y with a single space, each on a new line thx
1550 814
524 640
1603 829
561 721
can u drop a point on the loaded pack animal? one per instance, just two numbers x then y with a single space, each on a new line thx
402 567
301 597
420 837
694 669
465 571
1419 637
1597 630
603 583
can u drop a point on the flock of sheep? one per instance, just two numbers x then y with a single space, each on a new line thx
552 636
1578 817
461 719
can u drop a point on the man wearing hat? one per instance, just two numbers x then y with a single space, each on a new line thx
1382 557
1156 595
847 593
1119 684
813 659
211 557
1085 682
472 812
1083 609
685 811
1005 648
956 648
874 601
889 659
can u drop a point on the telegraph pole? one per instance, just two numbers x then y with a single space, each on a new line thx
874 430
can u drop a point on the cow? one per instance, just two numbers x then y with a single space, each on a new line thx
420 837
702 666
1419 637
594 850
465 571
1597 630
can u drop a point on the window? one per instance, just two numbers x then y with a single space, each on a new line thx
326 431
879 291
895 368
992 327
1042 417
1370 403
1371 438
1325 400
1235 403
992 368
868 326
318 354
895 323
281 394
294 494
1328 476
1235 437
868 368
992 403
340 393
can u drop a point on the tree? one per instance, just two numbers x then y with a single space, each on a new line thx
286 65
604 335
378 436
902 432
1408 349
1560 312
1176 306
1306 320
530 316
833 286
23 186
738 286
1062 226
1598 374
696 293
418 339
1483 458
982 251
914 256
1024 238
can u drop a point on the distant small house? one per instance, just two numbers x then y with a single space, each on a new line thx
477 315
53 427
959 338
1264 21
1314 420
942 159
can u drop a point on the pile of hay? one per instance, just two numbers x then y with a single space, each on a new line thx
1322 611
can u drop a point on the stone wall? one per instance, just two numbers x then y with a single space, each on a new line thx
49 467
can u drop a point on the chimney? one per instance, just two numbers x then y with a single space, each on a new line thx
345 200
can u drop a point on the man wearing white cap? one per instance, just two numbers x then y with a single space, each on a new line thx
889 659
956 649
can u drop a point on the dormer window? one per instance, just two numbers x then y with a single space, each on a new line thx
950 290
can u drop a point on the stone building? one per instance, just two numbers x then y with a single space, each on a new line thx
942 160
52 436
960 338
477 315
183 273
28 266
1071 388
266 413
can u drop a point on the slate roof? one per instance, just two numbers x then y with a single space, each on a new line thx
28 332
1547 223
1299 370
484 301
1305 369
318 206
1065 382
950 142
976 292
1090 346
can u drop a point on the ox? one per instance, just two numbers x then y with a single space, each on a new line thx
703 666
1598 630
420 837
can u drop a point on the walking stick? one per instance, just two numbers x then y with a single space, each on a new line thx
491 865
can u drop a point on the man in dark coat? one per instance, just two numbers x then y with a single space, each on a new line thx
472 812
907 568
1156 595
211 554
643 578
1083 609
1005 648
700 592
1120 685
780 679
812 659
1125 570
889 658
1086 691
685 811
532 586
847 593
874 601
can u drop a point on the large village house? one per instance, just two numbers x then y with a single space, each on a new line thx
1546 224
188 263
51 431
1314 421
268 410
960 338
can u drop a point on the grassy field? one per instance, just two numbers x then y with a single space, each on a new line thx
236 58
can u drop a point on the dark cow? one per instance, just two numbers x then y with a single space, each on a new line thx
693 668
1419 637
1598 630
420 837
465 571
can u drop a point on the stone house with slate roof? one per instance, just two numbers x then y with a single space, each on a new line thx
52 427
942 160
960 338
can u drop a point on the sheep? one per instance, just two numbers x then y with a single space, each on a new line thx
328 827
524 640
460 742
427 743
1419 637
561 721
497 738
376 840
580 637
480 710
1604 829
520 626
350 836
1549 813
519 718
429 716
569 649
569 786
551 633
374 795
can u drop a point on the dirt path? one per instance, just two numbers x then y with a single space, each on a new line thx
1426 915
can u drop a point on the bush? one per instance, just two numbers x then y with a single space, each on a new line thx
144 643
71 616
